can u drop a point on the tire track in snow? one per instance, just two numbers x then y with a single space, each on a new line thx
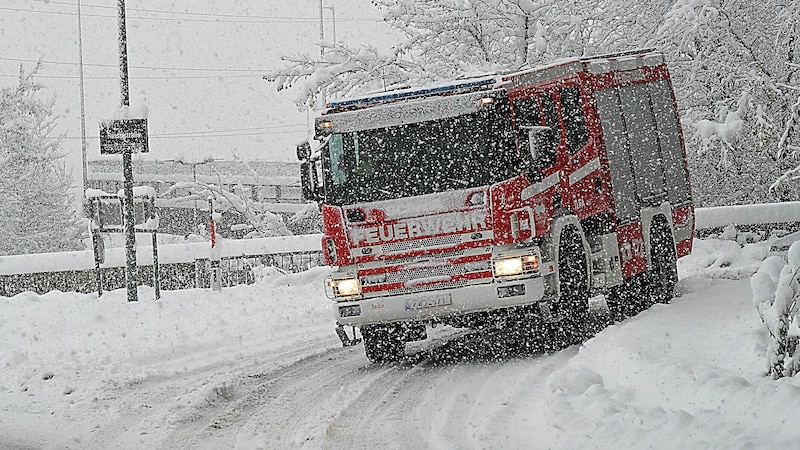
258 403
434 398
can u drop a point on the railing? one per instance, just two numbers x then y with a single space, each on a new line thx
181 266
185 266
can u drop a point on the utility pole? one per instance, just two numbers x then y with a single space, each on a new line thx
83 110
97 239
131 277
321 32
333 23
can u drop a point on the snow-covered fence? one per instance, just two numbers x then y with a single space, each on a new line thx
764 216
181 266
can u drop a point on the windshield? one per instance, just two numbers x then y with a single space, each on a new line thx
460 152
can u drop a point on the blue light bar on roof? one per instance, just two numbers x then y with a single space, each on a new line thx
410 93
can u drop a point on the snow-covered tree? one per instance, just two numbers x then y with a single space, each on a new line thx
444 40
776 291
258 220
36 208
733 76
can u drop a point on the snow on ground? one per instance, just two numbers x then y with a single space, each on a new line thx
62 352
81 372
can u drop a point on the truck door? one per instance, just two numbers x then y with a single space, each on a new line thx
536 110
584 194
646 158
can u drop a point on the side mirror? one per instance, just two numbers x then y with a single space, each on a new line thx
304 151
310 181
542 146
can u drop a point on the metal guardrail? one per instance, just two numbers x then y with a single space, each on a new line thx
182 266
244 260
236 270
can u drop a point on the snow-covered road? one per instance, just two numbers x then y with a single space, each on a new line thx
259 367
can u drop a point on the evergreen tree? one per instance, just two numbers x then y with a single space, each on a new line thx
37 212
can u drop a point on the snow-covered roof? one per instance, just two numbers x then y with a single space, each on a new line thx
448 87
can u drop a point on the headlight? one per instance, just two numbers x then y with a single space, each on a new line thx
507 267
527 264
342 287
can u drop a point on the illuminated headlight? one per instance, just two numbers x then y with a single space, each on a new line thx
508 267
517 265
342 287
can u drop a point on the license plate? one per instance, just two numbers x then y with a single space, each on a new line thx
429 301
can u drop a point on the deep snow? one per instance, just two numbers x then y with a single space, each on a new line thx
81 372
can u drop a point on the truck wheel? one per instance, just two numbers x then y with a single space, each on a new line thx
627 299
383 343
663 276
573 281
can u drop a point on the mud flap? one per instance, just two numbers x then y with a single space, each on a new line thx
346 341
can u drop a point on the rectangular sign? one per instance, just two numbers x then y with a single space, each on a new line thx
118 135
430 301
107 214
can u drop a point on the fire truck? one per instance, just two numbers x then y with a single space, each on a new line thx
483 200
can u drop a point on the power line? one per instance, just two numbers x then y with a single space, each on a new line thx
177 77
194 69
238 19
201 14
278 129
231 130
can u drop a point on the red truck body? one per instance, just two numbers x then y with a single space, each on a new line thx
481 198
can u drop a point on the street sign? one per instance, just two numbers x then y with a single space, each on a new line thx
106 212
118 135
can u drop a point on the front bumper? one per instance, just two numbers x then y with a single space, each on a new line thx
442 304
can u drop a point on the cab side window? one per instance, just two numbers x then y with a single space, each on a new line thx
528 114
572 114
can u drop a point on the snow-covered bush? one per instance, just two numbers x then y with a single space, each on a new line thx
258 221
306 221
776 290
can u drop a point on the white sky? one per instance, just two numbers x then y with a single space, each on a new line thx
199 70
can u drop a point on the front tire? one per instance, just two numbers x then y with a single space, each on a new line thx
573 287
383 343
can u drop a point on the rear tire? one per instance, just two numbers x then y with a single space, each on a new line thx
383 343
663 276
628 299
657 285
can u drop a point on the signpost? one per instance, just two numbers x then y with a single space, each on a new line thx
118 136
216 254
131 278
107 215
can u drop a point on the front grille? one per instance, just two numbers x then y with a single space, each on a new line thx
439 241
443 255
430 287
436 275
437 271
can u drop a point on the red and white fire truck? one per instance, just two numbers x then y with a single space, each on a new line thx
512 195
